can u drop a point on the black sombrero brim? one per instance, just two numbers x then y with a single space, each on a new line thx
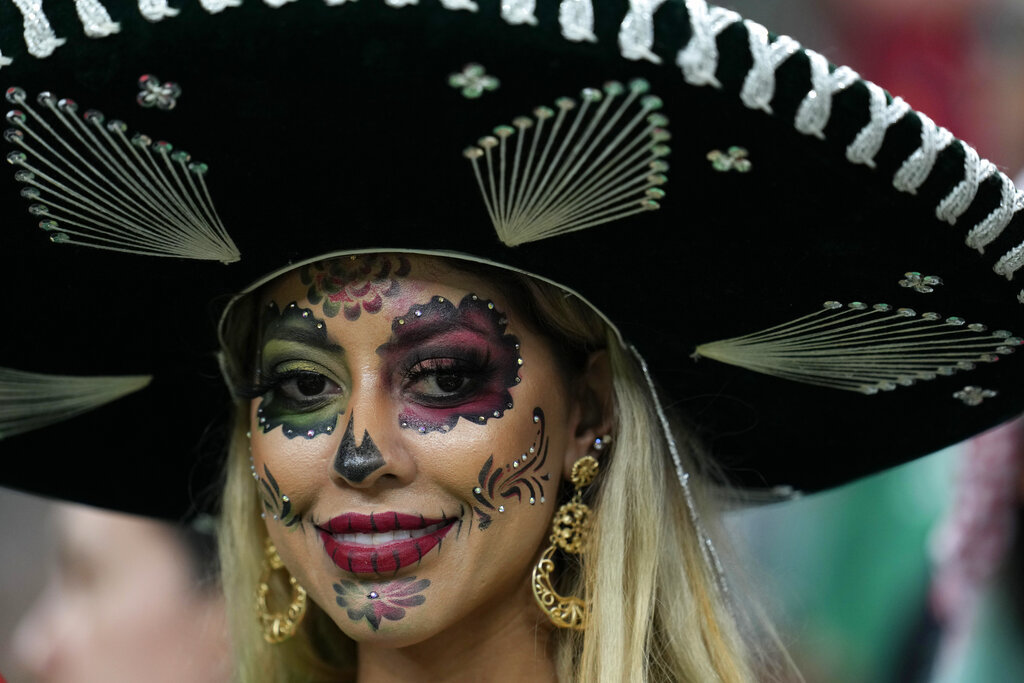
334 129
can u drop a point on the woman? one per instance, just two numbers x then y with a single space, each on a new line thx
462 372
658 174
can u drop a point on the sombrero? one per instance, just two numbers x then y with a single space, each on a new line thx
818 277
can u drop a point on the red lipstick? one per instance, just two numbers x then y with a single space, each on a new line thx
381 542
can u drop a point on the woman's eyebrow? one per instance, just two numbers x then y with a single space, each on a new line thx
302 335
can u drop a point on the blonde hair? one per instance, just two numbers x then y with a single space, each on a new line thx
656 612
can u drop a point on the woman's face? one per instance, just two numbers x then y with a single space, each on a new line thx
408 444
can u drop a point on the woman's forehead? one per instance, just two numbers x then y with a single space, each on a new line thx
372 280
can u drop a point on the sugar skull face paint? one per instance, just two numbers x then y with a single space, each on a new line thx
298 395
354 285
495 485
356 463
276 505
457 360
376 601
407 512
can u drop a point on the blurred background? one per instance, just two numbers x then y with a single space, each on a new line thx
911 575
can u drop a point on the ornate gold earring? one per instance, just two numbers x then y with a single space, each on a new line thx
278 626
569 531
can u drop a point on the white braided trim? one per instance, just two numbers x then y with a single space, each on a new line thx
636 35
976 171
699 59
519 11
577 20
40 39
155 10
217 6
467 5
95 19
815 110
1011 261
759 85
918 166
883 113
1011 201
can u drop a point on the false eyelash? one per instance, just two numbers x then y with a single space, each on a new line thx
464 358
263 384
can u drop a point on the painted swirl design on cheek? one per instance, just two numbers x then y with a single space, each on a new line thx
297 395
278 505
451 362
354 284
379 600
505 483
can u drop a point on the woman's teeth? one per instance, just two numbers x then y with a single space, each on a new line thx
388 536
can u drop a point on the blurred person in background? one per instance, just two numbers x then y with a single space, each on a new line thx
130 599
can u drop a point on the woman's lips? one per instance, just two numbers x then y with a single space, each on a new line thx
381 543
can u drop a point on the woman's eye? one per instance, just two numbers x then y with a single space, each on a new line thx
445 382
307 385
441 380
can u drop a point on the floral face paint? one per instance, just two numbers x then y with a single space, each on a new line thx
354 284
375 601
396 510
456 362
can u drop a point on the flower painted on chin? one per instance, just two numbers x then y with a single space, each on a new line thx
378 600
354 284
451 362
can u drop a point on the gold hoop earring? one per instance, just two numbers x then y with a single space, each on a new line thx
278 626
569 531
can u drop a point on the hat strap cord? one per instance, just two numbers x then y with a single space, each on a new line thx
707 546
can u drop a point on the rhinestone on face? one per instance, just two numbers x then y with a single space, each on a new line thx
373 595
501 508
477 489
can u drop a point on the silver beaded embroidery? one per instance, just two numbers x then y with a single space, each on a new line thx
925 284
733 159
974 396
473 81
153 93
864 348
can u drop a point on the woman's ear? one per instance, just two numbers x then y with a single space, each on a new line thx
593 396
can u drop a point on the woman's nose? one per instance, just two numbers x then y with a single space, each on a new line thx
369 449
353 462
